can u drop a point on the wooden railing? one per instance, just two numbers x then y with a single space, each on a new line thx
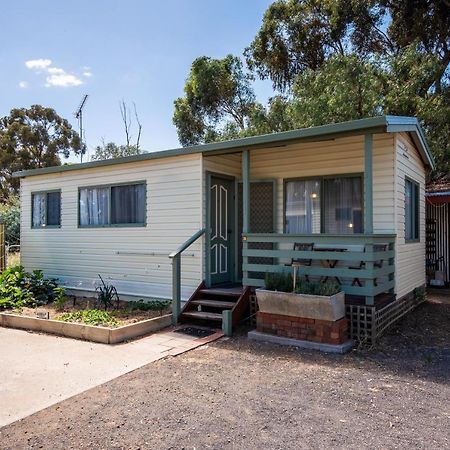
373 255
176 274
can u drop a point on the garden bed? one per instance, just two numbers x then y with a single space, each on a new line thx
32 302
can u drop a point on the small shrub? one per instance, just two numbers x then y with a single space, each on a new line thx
106 294
19 288
60 297
317 288
94 317
278 282
155 305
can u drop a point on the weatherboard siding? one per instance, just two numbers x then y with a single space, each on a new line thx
76 255
410 256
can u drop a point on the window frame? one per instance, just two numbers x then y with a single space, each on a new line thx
321 179
47 191
415 211
109 187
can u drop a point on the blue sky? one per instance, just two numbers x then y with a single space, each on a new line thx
53 52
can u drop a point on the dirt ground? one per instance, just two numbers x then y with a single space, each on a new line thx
236 394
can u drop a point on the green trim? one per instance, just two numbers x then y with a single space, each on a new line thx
415 225
368 184
45 227
245 191
390 124
109 187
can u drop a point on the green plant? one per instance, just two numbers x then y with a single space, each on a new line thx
19 288
60 297
106 294
317 288
278 282
94 317
154 305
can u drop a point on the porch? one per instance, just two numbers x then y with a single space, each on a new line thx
362 264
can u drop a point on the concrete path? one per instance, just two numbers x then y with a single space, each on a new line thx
39 370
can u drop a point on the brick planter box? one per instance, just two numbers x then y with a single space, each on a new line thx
315 330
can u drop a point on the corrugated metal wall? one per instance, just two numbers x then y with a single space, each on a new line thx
440 245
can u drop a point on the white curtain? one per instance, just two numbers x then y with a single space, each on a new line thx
38 210
94 206
302 207
343 205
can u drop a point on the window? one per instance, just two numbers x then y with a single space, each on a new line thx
412 210
324 205
46 209
112 205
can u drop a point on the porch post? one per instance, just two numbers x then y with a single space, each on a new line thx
368 206
245 191
368 184
246 210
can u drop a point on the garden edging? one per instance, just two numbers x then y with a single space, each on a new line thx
91 333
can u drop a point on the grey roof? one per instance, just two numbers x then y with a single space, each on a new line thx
389 124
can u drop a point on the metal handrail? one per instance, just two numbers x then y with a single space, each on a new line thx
176 274
187 243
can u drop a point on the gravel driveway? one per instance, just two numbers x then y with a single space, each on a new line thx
236 394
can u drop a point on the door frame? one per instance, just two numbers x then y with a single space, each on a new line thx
233 223
274 183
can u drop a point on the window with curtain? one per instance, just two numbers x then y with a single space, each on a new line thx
112 205
324 205
46 209
302 206
412 210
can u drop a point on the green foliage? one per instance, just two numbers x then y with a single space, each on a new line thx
10 216
154 305
280 281
110 151
31 138
217 101
331 61
317 288
19 288
106 294
94 317
60 297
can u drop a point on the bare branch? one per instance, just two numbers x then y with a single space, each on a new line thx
126 120
138 124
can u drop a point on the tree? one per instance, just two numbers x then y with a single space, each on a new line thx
32 138
217 101
344 88
111 151
297 35
10 216
127 123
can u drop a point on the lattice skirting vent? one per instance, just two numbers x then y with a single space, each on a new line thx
367 324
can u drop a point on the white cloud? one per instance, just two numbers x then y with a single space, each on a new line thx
23 84
55 76
55 70
38 64
62 80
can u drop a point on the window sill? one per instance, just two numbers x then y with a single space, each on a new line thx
117 225
412 241
46 227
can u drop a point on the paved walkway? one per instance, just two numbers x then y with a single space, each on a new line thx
39 370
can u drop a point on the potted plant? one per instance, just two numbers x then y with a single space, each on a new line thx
310 299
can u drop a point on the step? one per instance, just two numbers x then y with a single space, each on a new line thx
213 303
202 315
222 292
